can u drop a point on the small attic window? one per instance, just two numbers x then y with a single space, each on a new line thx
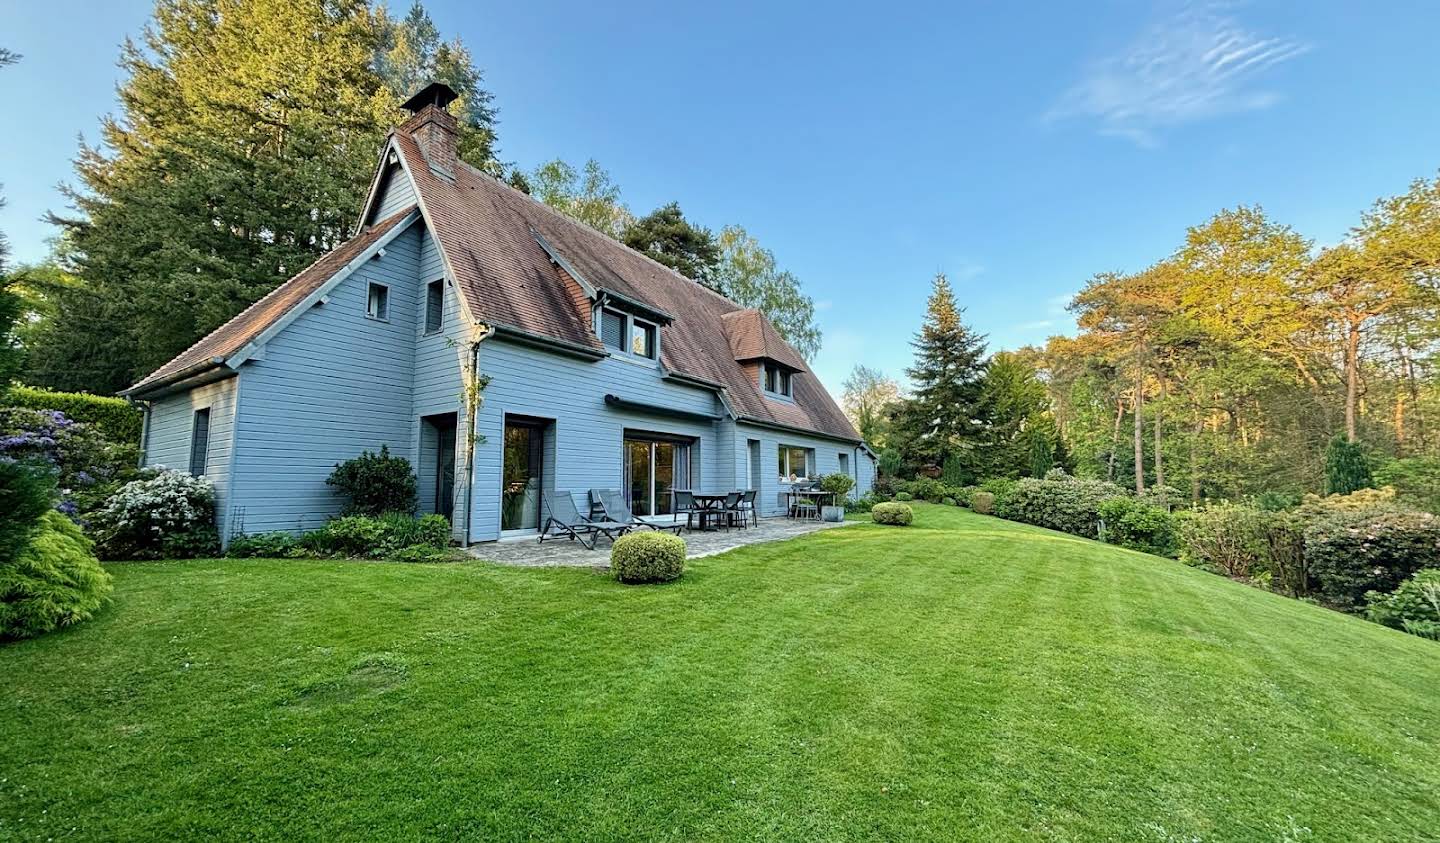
642 339
434 306
377 302
777 380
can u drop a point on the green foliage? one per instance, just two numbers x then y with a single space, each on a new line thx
88 468
1226 538
1413 607
27 492
983 502
949 502
893 514
1416 481
665 235
751 277
904 496
837 484
12 308
374 484
261 546
861 504
948 373
1347 467
1283 537
647 557
866 397
591 197
1355 552
54 581
1165 497
162 515
928 489
422 554
889 463
1363 500
999 487
376 537
1139 526
114 418
954 473
1070 506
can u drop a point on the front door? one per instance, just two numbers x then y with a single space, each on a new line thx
522 474
445 470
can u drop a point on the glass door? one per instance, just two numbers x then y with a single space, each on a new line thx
520 483
654 468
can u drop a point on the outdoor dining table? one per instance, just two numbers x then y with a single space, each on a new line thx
820 496
709 507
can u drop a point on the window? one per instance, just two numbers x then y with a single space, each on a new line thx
377 303
642 339
845 464
200 442
434 306
612 329
794 462
777 380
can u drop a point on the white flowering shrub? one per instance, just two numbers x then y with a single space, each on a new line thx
168 514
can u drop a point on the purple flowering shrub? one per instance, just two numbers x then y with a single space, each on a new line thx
87 467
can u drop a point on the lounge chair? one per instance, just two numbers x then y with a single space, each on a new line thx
565 521
613 508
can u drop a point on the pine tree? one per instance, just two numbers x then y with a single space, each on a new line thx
665 235
948 374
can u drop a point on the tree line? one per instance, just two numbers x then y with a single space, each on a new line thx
246 135
1250 361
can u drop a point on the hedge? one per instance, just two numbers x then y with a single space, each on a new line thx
115 418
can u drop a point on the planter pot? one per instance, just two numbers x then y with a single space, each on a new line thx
832 513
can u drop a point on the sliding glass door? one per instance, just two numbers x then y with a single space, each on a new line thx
654 468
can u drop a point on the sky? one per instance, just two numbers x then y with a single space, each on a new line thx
1018 148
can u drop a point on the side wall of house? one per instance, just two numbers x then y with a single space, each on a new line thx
397 192
439 357
172 427
330 385
585 444
826 458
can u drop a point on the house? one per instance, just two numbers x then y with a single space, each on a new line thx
463 306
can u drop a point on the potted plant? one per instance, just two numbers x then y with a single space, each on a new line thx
838 485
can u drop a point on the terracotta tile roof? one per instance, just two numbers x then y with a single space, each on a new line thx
487 231
245 326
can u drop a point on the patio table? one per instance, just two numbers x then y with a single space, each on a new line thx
818 495
710 506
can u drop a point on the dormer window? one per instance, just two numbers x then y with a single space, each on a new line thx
777 380
629 335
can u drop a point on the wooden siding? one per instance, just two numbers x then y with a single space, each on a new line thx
585 443
172 423
827 461
397 192
331 385
439 358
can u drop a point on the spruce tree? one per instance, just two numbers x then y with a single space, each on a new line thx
665 235
948 374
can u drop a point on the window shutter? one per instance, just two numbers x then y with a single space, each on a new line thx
612 329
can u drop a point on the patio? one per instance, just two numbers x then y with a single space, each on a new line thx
557 553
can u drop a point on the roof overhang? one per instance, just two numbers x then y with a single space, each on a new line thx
199 374
790 428
520 336
648 409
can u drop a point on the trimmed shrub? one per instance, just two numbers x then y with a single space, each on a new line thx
1138 526
647 557
261 546
54 581
949 502
114 418
904 496
983 503
375 483
894 514
1226 538
1070 506
1350 554
1283 537
1413 607
166 514
837 484
1000 487
928 489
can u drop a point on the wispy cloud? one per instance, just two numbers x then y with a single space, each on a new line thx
1195 64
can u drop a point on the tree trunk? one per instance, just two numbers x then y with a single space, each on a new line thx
1138 404
1155 424
1115 438
1195 460
1352 377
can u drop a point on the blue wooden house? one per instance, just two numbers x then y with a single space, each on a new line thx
507 351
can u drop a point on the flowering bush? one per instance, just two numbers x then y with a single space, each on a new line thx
87 467
1350 553
165 514
1413 607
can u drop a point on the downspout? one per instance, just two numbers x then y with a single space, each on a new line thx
473 400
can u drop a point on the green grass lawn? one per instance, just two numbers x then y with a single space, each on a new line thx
963 678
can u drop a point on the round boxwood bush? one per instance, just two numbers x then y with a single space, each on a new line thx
648 557
54 581
904 496
894 514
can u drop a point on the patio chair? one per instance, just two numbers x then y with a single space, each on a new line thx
748 510
565 521
730 510
802 506
685 505
613 508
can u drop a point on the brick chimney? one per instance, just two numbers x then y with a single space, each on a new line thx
433 127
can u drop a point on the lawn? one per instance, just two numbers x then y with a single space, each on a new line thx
964 678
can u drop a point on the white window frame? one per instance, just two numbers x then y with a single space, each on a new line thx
628 324
788 470
369 292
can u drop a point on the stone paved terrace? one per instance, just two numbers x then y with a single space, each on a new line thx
565 553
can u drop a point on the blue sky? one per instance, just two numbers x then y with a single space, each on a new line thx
1020 148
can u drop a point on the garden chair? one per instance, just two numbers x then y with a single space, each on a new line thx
685 505
565 521
730 510
747 509
613 508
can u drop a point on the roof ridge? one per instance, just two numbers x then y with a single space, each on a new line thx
572 221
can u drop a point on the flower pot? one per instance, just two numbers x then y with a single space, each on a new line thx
834 514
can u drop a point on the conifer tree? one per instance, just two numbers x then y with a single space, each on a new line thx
665 235
948 375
